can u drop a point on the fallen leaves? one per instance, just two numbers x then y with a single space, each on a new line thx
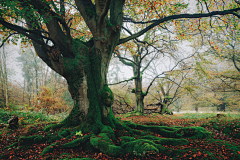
197 148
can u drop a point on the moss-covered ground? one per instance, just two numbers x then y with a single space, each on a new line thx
32 141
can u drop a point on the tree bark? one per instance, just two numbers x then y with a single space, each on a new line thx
139 94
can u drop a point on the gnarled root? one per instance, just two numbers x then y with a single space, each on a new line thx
111 141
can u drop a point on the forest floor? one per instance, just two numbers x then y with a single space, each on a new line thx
224 145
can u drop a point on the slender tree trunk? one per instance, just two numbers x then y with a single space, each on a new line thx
138 87
45 76
23 90
5 78
2 80
139 96
36 74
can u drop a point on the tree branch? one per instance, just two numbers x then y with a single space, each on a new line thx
62 8
54 28
7 38
148 64
237 15
237 1
180 16
104 11
124 62
54 6
123 81
168 71
24 32
234 62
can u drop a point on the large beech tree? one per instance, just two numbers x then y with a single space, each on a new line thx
56 29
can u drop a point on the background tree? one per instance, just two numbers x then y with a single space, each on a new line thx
136 63
4 77
30 69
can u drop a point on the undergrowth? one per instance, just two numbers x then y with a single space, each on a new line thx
27 117
224 144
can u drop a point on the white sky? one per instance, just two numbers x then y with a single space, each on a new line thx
12 65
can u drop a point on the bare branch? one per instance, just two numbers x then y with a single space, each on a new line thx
168 71
180 16
234 62
148 64
122 59
123 81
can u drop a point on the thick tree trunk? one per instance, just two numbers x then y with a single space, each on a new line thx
86 77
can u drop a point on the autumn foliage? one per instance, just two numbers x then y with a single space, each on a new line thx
50 101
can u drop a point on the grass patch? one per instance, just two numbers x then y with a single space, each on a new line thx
27 117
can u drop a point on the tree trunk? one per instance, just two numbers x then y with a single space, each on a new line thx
2 83
5 77
87 84
23 89
221 107
36 74
138 86
139 96
196 109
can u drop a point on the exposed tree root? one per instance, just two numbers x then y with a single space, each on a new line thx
175 132
124 138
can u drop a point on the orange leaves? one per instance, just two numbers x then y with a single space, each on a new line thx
81 34
49 101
